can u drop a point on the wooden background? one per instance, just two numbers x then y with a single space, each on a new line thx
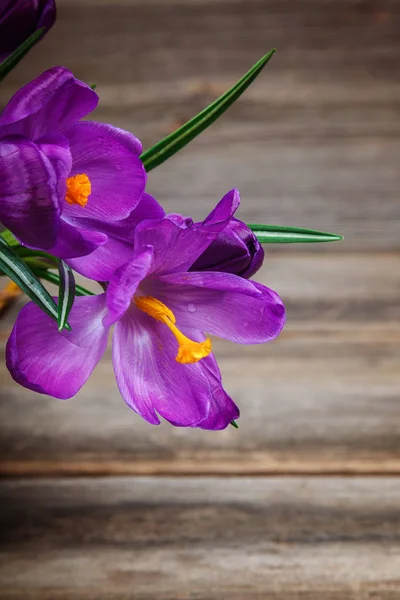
303 501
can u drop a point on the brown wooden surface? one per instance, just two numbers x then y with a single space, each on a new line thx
201 538
305 498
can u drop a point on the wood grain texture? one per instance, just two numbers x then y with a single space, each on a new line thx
314 142
202 538
322 398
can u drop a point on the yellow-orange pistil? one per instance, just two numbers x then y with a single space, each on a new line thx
188 350
78 189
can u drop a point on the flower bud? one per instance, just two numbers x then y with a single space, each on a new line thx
236 250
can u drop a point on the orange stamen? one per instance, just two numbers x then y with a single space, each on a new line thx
78 189
188 350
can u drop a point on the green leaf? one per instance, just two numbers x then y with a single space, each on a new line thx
9 238
234 424
55 278
66 293
165 148
93 86
36 262
34 258
44 260
14 58
276 234
20 273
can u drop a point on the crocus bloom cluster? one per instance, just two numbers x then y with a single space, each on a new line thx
77 190
160 306
20 18
66 186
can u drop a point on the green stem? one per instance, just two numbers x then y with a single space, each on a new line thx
54 278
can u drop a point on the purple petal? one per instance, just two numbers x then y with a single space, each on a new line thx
222 304
19 19
47 105
56 149
74 241
109 157
148 208
102 263
222 408
124 284
177 242
236 250
149 378
58 364
29 200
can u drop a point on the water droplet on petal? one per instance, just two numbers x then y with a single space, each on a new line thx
191 308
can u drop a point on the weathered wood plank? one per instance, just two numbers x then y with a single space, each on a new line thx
323 398
315 142
200 538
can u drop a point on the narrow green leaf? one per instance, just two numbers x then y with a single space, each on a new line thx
20 273
47 260
9 238
276 234
165 148
37 262
234 424
14 58
35 259
66 293
55 278
93 86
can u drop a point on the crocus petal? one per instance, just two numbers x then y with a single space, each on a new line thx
56 149
46 361
124 284
29 201
256 263
48 104
149 378
177 242
105 260
148 208
110 158
101 264
222 408
222 304
19 19
74 241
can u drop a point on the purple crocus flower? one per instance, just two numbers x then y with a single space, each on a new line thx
20 18
162 358
236 250
63 181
